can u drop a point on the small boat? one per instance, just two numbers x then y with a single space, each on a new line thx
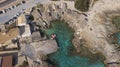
53 36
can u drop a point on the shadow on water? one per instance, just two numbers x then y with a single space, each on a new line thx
66 56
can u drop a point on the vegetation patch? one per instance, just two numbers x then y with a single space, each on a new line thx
39 5
116 22
116 35
24 64
31 17
95 0
82 5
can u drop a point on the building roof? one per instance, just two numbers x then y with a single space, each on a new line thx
7 61
11 34
21 20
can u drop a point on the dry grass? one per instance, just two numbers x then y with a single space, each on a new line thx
11 34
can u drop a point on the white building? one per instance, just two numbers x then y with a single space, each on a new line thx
24 28
21 21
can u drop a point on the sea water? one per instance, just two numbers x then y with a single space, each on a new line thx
62 57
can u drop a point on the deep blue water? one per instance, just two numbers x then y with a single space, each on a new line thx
62 57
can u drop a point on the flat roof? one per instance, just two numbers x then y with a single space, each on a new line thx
21 20
9 35
7 61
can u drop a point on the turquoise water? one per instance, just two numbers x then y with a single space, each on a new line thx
62 57
117 35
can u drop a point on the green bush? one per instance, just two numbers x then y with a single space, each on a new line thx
82 5
39 5
24 64
116 22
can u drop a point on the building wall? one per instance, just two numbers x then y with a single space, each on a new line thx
2 28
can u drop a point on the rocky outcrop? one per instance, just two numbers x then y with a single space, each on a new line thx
37 52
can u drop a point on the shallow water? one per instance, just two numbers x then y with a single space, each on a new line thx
117 35
62 57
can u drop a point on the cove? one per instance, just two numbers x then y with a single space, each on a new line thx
62 57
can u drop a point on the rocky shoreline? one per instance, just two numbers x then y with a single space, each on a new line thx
93 26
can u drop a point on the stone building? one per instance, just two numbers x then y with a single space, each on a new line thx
2 29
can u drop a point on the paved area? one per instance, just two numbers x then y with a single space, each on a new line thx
5 17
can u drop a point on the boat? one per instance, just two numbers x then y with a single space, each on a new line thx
53 36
